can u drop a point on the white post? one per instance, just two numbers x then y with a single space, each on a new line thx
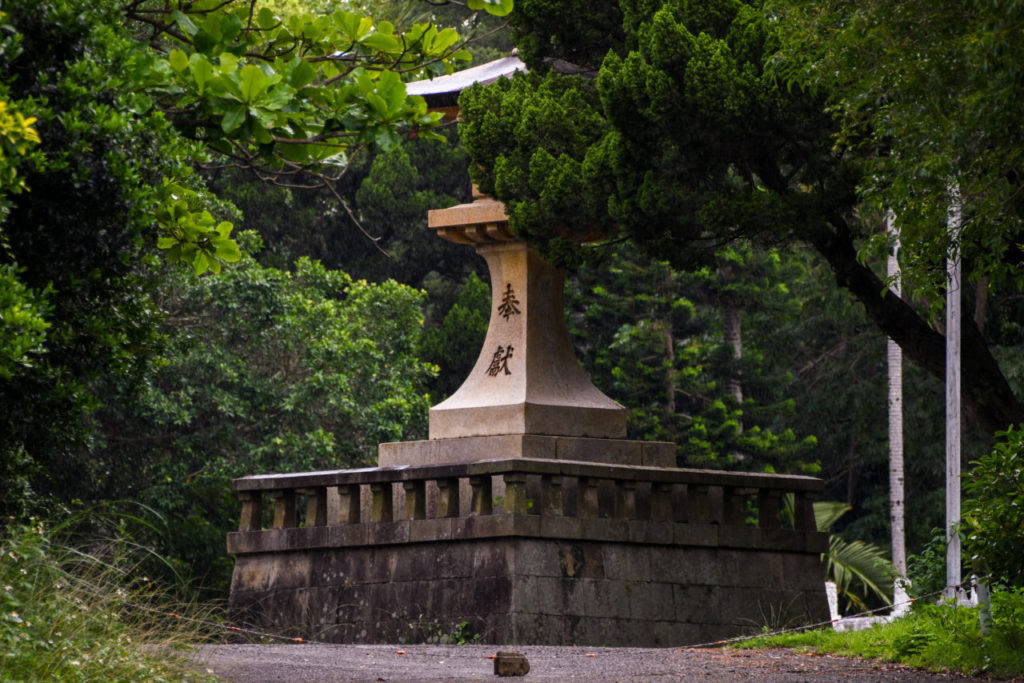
953 281
894 356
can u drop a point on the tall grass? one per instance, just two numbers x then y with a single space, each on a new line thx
933 637
85 612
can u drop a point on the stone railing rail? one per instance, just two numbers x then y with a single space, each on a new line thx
547 498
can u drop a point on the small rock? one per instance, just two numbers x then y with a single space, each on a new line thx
511 664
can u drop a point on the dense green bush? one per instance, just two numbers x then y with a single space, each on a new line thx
993 516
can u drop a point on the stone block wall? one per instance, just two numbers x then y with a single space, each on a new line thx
614 572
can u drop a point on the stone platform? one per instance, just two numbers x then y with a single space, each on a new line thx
526 551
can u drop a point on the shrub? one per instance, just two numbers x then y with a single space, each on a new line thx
993 516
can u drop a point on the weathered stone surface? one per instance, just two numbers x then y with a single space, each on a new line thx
511 664
467 449
526 379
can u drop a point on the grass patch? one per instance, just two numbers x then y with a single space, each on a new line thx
71 614
932 637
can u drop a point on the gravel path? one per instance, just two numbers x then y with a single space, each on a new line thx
321 662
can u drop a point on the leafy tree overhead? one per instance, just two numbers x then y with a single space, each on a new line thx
126 99
696 132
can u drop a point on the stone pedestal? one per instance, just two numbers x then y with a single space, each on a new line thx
525 551
527 395
526 517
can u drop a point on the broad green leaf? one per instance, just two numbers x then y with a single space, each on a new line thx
230 27
224 229
387 139
186 24
382 42
253 80
265 19
228 63
200 263
445 39
302 75
260 132
294 152
234 116
165 242
227 250
500 8
390 87
377 103
281 96
178 60
211 27
202 70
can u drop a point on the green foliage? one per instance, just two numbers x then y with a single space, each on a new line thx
16 135
927 568
919 90
993 514
455 344
22 322
932 637
74 613
263 371
652 338
696 133
861 571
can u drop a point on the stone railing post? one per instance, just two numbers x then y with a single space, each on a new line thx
284 509
482 503
661 502
316 505
589 502
252 511
803 512
381 507
768 509
551 495
415 499
349 508
698 504
734 505
448 497
515 493
625 499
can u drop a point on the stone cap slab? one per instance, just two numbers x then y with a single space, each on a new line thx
469 449
376 475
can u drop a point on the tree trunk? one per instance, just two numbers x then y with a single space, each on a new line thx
895 361
985 388
732 331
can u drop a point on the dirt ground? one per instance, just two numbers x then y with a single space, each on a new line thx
322 662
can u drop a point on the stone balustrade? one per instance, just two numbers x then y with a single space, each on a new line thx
525 497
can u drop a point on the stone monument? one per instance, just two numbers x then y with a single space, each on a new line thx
526 517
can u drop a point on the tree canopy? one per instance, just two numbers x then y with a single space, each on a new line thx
696 124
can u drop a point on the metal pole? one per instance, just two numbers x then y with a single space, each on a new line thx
953 280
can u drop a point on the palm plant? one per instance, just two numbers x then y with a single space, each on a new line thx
859 570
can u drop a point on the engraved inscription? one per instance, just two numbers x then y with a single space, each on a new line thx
499 362
509 303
